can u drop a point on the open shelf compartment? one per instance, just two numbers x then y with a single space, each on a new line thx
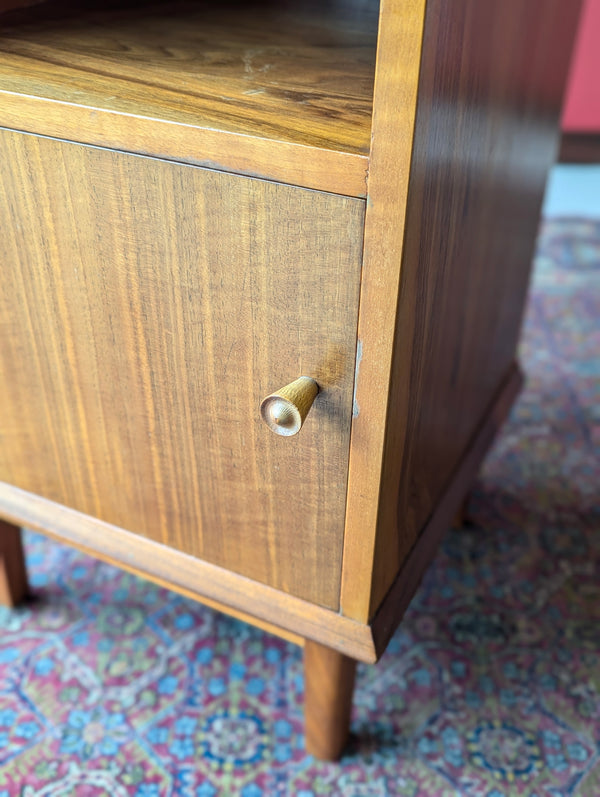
261 87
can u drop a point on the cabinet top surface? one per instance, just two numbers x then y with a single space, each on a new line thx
296 72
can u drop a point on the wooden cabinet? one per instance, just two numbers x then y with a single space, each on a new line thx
154 304
200 204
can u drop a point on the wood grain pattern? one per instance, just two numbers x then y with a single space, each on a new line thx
328 689
197 579
486 135
310 167
145 309
13 575
248 600
290 84
394 110
285 410
398 598
490 86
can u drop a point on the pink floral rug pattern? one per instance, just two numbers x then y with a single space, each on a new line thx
491 687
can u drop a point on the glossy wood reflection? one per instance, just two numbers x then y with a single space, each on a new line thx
147 306
489 95
284 73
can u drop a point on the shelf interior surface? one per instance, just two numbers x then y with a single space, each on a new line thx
283 70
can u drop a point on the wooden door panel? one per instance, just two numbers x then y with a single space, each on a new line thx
145 309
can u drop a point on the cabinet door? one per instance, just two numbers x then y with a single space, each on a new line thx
146 307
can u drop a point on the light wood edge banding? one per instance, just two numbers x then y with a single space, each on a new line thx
395 103
296 164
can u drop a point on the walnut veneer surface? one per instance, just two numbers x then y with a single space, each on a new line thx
148 306
153 304
162 78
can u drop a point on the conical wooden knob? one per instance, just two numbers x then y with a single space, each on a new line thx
285 410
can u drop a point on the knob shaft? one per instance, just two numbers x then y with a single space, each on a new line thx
285 410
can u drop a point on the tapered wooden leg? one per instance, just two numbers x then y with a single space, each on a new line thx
13 576
461 516
329 684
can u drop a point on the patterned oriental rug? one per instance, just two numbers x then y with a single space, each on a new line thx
491 687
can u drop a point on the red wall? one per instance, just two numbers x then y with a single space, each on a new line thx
581 111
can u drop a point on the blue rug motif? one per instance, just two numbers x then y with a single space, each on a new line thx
112 686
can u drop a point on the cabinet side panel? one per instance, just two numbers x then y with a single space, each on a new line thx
455 188
145 310
492 79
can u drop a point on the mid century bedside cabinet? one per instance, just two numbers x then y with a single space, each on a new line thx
201 202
